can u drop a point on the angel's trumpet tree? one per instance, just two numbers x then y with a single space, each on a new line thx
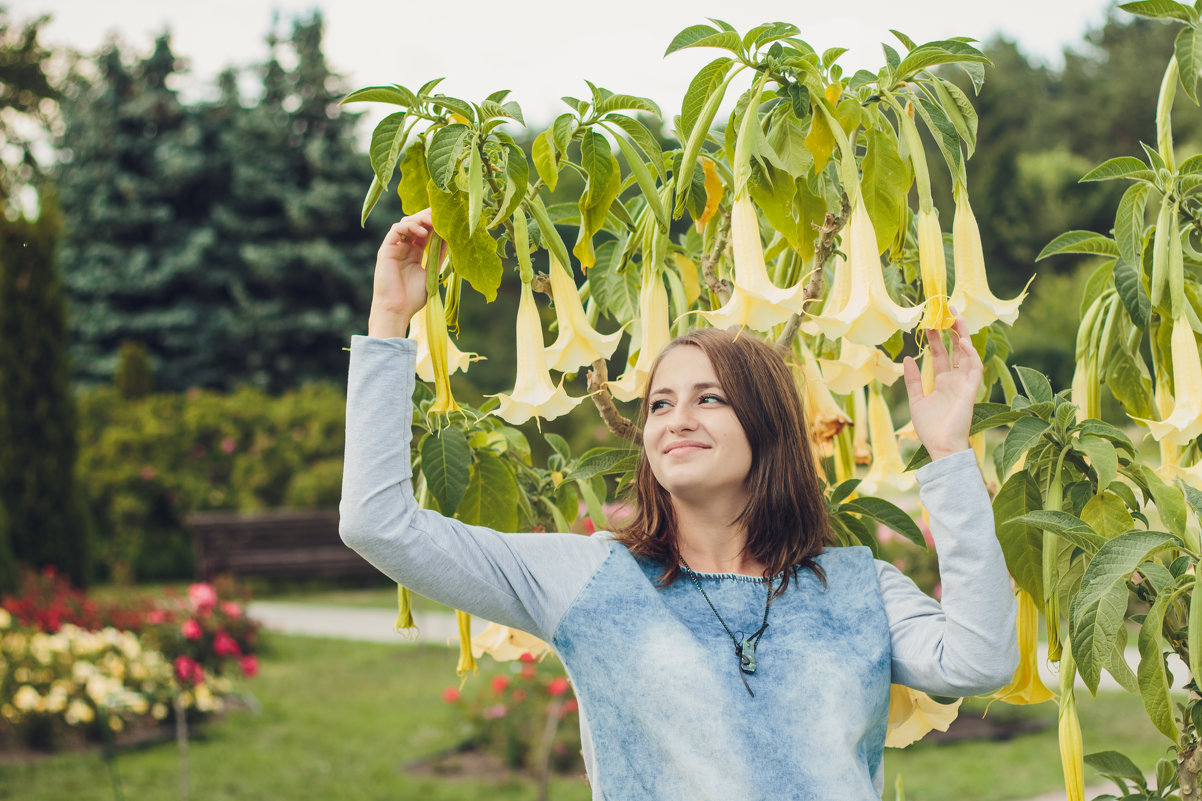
534 394
578 343
972 298
653 318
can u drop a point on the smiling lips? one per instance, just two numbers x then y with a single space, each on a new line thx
684 445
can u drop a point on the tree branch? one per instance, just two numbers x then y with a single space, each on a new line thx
709 262
823 249
617 424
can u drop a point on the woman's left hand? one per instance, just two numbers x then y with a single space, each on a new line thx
942 418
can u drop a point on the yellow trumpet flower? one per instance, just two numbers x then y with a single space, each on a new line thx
836 299
825 417
972 298
755 302
505 644
653 317
1026 687
578 343
913 713
439 341
534 395
859 415
933 269
868 316
1184 422
887 473
857 367
467 662
456 359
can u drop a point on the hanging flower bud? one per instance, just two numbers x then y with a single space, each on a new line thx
913 713
533 393
653 319
578 344
868 316
1184 422
857 367
1026 687
933 269
505 644
1071 746
755 302
467 662
972 298
859 415
457 360
439 341
887 474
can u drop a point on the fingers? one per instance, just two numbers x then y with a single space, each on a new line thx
411 231
913 379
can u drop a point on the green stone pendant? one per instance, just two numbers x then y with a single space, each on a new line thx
747 656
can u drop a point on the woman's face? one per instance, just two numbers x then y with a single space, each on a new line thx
695 445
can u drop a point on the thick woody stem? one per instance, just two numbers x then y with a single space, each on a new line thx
823 248
709 262
617 424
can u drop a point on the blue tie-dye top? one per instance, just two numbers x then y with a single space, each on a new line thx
665 715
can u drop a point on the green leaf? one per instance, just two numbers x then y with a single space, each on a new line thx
396 95
1169 500
1193 497
1064 525
884 512
517 177
369 202
704 36
415 177
443 152
598 162
931 54
1023 434
1117 665
1153 681
1160 9
696 139
446 466
1121 167
884 185
1113 765
492 109
1188 49
475 186
615 289
491 498
959 110
604 461
604 184
1022 544
1129 382
643 138
627 103
549 236
708 79
646 183
842 490
1191 166
1036 384
559 445
473 250
1107 515
545 163
455 105
1101 456
1132 293
1086 242
942 131
387 141
1100 605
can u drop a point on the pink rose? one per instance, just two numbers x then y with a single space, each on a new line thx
156 616
231 609
191 629
224 645
249 665
499 683
188 670
202 595
558 686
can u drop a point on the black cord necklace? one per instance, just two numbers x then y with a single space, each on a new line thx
744 650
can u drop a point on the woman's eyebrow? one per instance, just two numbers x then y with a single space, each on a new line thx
696 388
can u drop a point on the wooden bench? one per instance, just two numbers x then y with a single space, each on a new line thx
271 544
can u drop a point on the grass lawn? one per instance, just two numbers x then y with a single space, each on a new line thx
339 720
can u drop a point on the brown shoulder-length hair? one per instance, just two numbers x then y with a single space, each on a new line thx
785 517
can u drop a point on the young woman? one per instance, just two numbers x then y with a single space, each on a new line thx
717 648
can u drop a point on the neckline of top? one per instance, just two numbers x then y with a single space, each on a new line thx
735 576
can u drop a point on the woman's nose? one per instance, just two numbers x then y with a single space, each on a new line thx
682 418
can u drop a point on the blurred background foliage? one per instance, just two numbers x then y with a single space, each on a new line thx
205 271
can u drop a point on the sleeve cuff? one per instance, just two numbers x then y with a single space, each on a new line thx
394 344
949 465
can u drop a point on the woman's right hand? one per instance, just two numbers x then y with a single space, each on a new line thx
399 287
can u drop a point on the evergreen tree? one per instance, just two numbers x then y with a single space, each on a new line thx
38 446
27 105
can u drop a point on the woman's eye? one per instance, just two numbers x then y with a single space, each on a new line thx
657 405
711 399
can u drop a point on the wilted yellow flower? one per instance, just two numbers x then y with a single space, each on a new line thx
857 367
533 393
933 269
868 316
1184 422
653 318
456 359
972 298
887 473
755 302
505 644
913 713
578 343
1026 687
825 416
467 662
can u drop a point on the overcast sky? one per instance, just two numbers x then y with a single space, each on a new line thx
543 49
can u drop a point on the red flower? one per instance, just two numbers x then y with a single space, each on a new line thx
558 686
569 706
224 645
188 670
499 683
526 658
191 629
450 695
231 609
202 595
249 665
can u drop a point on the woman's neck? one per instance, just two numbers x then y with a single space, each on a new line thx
710 542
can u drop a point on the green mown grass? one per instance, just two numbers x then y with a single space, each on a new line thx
340 720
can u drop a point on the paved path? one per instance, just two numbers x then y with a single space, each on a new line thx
375 625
